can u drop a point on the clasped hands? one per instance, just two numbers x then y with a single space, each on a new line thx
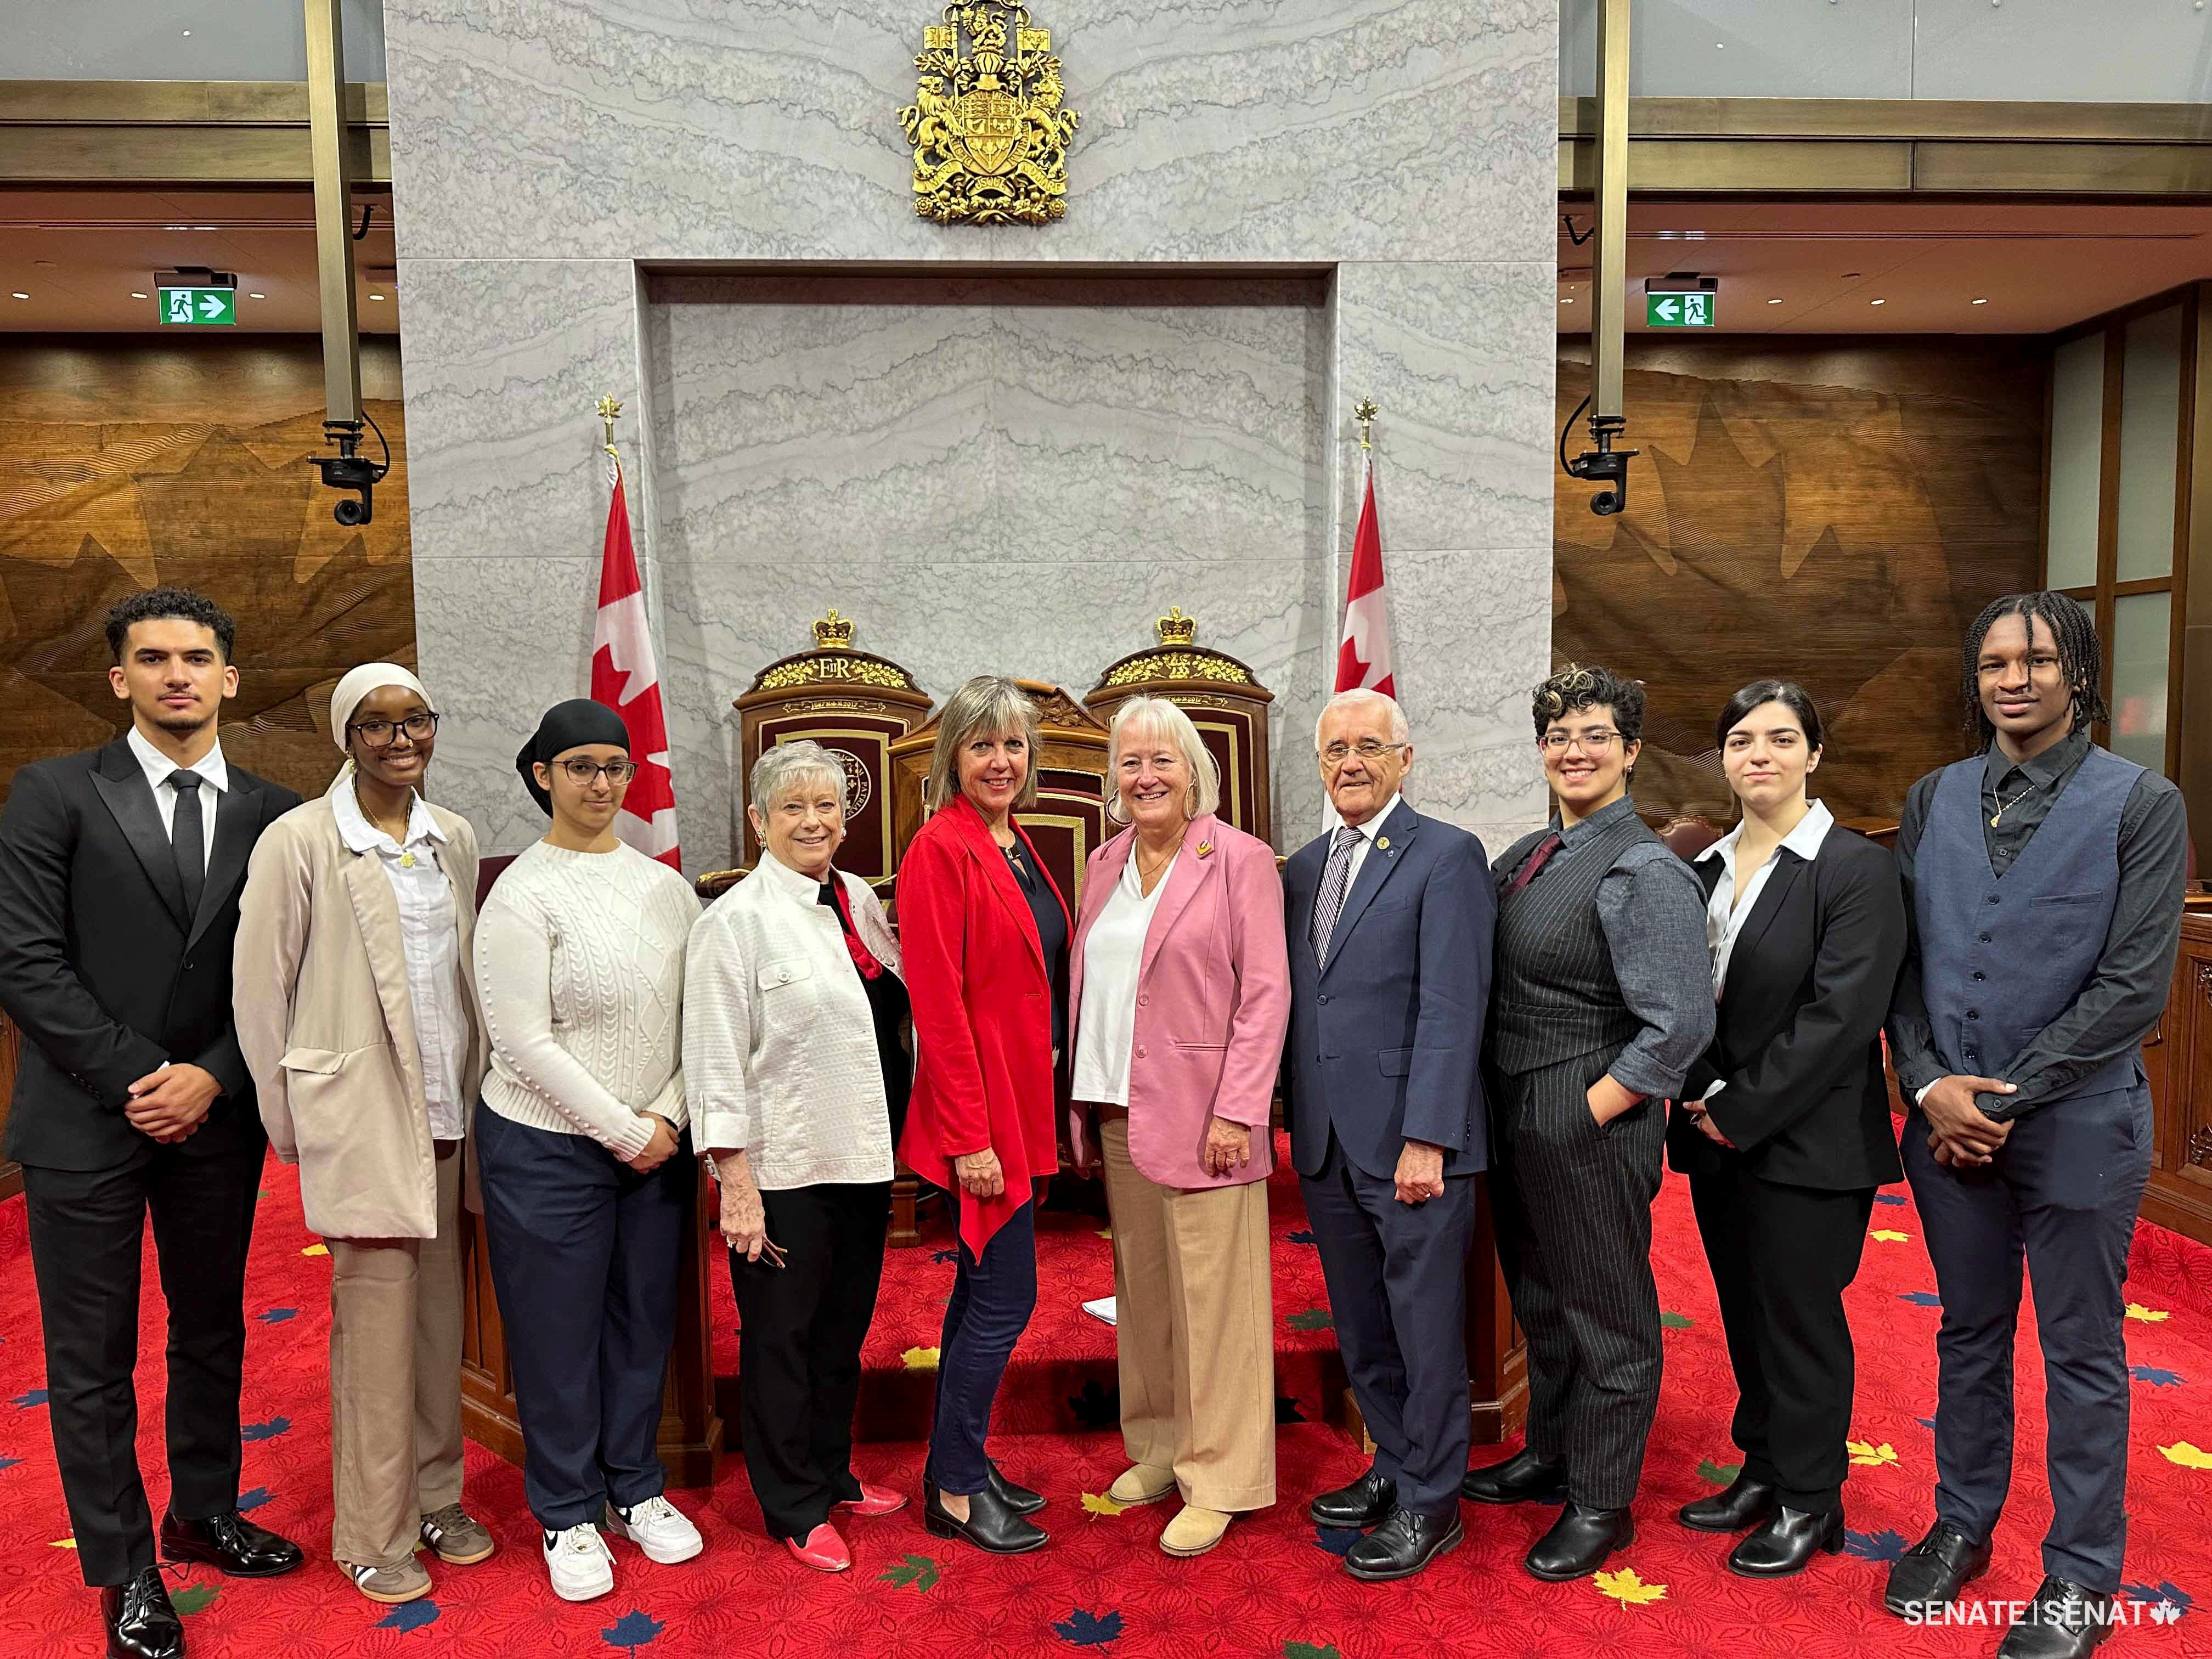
1961 1136
170 1103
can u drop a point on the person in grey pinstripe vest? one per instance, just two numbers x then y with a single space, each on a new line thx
1600 1000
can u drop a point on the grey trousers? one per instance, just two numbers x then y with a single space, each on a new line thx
1573 1208
2063 1192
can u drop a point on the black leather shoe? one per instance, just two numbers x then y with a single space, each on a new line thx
231 1543
1578 1543
991 1525
1787 1542
1933 1571
141 1623
1362 1504
1020 1499
2064 1622
1745 1503
1523 1477
1402 1544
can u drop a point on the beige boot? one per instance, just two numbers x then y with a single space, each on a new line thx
1141 1483
1195 1531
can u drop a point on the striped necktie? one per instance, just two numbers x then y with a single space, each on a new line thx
1335 879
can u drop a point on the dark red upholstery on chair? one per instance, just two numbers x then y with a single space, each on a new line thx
1686 836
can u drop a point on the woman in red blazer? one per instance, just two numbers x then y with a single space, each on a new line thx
1181 989
984 933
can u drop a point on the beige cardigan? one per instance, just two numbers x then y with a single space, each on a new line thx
328 1030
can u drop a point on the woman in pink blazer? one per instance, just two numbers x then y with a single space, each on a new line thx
1179 985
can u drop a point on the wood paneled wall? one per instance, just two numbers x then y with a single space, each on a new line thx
130 460
1832 511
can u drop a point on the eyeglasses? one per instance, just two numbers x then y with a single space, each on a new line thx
582 773
1367 749
380 734
1593 742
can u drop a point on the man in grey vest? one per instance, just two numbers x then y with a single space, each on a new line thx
2044 878
1602 1000
1389 922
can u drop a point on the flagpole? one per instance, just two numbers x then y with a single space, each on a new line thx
609 409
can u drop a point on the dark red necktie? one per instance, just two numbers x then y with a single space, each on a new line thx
1537 860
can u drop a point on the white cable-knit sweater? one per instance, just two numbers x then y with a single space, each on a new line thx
579 964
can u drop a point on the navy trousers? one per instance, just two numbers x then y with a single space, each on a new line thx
1397 1289
2063 1190
584 1256
993 1296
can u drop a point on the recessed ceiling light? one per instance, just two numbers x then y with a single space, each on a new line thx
176 227
207 227
188 35
257 296
1877 302
21 294
1774 303
1981 302
136 295
376 296
1566 302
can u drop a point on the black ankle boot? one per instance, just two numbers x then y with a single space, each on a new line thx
1523 1477
1020 1499
1787 1542
1745 1503
1579 1542
991 1525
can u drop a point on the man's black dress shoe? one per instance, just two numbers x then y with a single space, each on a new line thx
1787 1542
1745 1503
991 1525
141 1623
1020 1499
2064 1622
1932 1573
1523 1477
1402 1544
1578 1543
231 1543
1363 1504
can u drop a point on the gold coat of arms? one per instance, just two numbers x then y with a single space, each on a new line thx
990 139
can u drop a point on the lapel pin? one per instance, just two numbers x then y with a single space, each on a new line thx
1205 849
1382 843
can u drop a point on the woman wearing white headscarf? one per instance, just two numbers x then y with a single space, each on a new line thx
357 1018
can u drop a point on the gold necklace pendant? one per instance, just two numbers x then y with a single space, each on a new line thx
407 859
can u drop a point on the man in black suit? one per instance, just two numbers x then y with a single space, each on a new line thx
120 877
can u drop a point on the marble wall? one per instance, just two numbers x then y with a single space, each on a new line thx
1275 209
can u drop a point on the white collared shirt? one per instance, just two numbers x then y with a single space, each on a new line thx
1113 956
1367 832
160 768
1724 914
429 944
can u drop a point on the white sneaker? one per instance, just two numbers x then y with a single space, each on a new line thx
657 1528
579 1562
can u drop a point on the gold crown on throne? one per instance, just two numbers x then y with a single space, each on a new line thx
1175 628
833 632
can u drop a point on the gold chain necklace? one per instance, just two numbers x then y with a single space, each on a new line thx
407 859
2004 806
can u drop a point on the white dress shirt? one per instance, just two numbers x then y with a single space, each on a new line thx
1106 1025
160 768
1365 844
1725 915
430 945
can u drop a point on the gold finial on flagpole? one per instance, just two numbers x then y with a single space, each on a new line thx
1365 414
610 410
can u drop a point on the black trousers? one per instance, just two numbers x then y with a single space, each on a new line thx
799 1347
1397 1290
88 1231
584 1256
1781 1258
1573 1208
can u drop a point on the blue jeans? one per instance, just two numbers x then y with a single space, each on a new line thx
993 1296
584 1253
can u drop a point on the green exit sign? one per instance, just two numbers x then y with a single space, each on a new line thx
206 308
1678 311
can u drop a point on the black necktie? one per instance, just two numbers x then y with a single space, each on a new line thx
188 838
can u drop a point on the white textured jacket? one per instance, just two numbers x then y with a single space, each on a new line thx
779 1045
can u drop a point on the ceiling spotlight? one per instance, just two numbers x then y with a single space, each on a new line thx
1981 302
1877 302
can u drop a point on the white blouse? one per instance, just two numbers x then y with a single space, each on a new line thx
1106 1025
1724 913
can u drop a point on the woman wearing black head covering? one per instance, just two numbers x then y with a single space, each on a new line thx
579 964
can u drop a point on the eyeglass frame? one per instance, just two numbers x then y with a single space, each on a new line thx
586 780
360 729
1359 749
1593 743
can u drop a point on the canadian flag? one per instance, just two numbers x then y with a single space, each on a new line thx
1362 660
624 678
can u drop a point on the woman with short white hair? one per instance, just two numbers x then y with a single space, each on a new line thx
793 1010
1180 985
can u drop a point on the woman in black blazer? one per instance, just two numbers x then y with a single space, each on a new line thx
1785 1129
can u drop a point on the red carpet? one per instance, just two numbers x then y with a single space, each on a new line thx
1273 1588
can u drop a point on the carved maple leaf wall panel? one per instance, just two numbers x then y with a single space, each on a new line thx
92 510
1828 512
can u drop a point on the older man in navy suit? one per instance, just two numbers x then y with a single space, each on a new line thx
1389 919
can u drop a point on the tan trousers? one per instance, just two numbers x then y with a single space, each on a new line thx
396 1381
1194 1331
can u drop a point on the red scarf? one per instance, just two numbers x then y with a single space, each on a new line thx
863 958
